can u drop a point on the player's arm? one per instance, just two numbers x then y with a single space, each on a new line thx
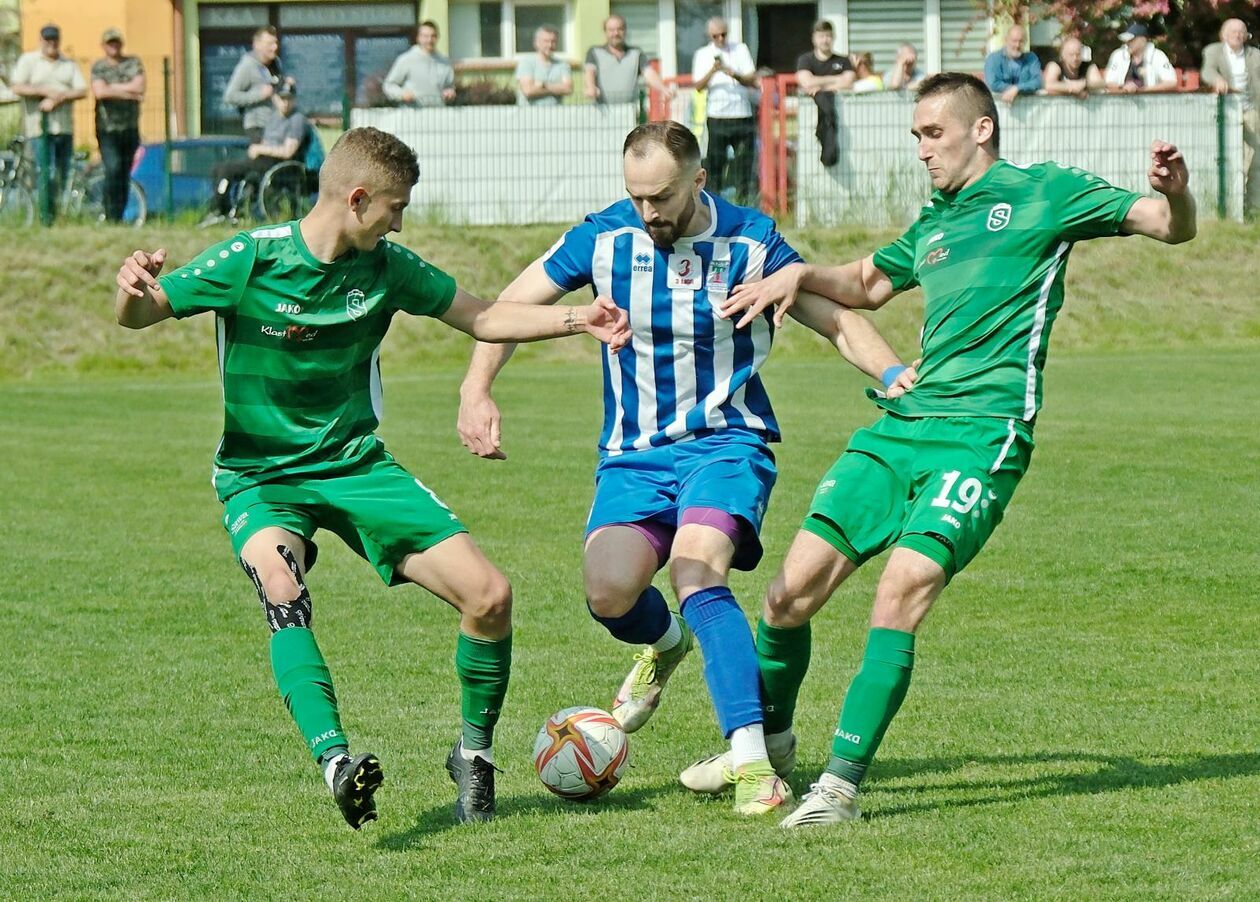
504 321
857 340
140 301
479 419
860 284
1172 218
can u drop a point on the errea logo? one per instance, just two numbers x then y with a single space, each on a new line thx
642 263
999 217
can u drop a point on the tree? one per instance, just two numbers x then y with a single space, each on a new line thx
1183 27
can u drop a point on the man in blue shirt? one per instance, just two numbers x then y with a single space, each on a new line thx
685 468
1010 71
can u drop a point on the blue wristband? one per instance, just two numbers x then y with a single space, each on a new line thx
890 375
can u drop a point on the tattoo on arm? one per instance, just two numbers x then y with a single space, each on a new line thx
570 320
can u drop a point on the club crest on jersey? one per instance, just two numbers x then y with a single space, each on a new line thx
356 303
999 217
717 274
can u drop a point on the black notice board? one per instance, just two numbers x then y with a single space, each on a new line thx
318 63
373 56
217 62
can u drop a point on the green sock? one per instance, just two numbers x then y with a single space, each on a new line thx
306 687
483 666
783 656
873 699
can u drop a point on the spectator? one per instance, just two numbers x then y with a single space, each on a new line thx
724 71
421 76
868 79
1010 71
820 73
1071 74
49 83
118 86
285 138
905 74
253 81
1231 66
543 77
611 72
1139 66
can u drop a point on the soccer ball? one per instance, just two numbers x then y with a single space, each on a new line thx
580 753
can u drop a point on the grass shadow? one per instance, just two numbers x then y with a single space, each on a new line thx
440 818
1066 773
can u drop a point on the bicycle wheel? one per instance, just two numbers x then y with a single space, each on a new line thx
137 210
91 205
17 207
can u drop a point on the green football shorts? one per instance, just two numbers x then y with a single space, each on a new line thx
937 485
378 509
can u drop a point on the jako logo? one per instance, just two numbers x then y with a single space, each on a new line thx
288 308
999 217
848 737
356 303
328 734
642 263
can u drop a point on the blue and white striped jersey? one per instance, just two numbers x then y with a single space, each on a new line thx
686 371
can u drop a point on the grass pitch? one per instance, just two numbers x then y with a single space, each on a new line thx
1082 721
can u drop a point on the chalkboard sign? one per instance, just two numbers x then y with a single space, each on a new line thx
318 63
217 63
372 58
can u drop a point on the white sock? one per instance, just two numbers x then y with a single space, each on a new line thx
330 770
486 754
748 744
672 636
779 744
844 787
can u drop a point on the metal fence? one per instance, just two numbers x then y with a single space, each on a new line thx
879 179
511 165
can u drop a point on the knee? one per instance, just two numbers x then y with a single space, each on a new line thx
279 586
492 602
689 575
784 607
610 594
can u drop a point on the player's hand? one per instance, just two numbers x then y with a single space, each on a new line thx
905 381
140 270
478 426
753 297
608 323
1168 173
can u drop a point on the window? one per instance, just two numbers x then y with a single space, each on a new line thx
477 29
689 20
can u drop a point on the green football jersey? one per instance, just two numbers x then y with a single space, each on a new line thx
299 347
991 260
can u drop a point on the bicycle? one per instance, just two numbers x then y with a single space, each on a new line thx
82 199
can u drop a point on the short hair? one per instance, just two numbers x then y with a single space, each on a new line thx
824 25
969 98
368 156
428 23
548 29
619 17
266 29
672 137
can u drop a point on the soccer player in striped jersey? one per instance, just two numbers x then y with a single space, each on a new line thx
685 469
932 478
301 310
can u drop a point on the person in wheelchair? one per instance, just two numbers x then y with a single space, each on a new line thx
285 138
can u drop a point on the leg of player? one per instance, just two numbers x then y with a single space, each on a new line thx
459 573
618 566
909 585
812 571
699 568
275 560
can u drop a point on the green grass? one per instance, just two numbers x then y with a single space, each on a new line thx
56 315
1082 722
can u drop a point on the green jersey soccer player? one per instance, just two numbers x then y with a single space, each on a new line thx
932 477
301 310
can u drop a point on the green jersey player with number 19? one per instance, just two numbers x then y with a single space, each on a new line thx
301 310
932 477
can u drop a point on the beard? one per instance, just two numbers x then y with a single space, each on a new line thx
664 233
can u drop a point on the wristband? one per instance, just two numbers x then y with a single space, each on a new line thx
890 375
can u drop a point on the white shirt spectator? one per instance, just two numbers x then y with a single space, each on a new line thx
1155 64
1237 69
727 98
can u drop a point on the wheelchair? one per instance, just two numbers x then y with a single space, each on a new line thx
285 191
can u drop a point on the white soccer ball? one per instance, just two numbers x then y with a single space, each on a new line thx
580 753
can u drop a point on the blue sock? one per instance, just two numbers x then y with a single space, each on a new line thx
730 659
644 623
